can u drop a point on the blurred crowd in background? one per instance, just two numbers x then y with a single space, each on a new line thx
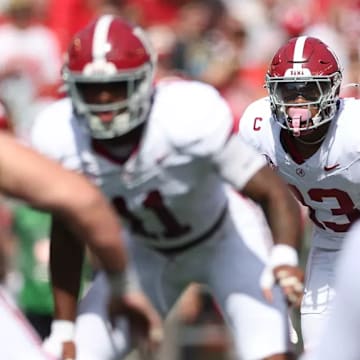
227 43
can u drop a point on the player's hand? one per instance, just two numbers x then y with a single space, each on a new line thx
145 325
283 270
60 343
291 280
69 351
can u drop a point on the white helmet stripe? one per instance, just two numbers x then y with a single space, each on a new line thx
298 52
100 45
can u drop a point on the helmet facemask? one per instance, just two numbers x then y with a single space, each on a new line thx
318 93
134 90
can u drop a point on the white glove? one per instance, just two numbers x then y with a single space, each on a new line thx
283 268
61 331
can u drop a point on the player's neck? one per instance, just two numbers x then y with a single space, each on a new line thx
307 149
309 145
122 147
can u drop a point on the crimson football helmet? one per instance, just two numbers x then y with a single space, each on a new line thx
110 52
304 67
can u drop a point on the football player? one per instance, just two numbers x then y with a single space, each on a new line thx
308 133
28 176
168 159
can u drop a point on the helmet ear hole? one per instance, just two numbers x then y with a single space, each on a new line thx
113 55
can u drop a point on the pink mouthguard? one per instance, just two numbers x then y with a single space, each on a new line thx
297 116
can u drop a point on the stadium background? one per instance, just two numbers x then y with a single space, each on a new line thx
227 43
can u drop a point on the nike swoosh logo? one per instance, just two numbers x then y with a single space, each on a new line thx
329 168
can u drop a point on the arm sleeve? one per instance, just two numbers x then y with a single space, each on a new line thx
238 162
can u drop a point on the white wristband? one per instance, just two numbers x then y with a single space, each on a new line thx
63 329
282 254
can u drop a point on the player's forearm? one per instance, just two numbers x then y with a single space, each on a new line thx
66 260
284 217
65 304
280 207
96 223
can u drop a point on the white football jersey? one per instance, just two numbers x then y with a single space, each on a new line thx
171 191
328 182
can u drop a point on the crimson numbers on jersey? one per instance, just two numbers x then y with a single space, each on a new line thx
155 203
345 207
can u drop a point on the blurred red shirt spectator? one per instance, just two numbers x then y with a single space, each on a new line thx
155 12
66 17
